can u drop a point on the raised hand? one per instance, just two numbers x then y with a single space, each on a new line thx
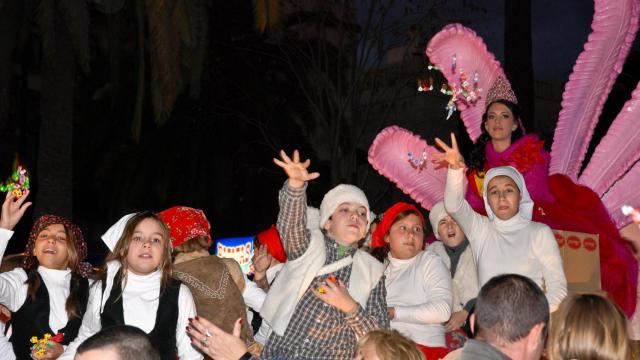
296 170
451 155
13 209
261 261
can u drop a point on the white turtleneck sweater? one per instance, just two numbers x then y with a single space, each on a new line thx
140 300
13 290
13 294
514 246
420 291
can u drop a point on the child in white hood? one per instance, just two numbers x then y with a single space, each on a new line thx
506 240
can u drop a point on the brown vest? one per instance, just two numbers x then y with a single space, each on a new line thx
215 292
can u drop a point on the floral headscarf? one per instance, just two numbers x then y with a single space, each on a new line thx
29 261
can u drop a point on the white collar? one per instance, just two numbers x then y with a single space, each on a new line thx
54 276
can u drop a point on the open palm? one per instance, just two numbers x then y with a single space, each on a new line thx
296 171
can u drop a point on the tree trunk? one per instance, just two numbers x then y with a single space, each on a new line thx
11 20
54 175
518 57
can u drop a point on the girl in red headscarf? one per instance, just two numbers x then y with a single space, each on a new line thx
215 283
418 283
48 294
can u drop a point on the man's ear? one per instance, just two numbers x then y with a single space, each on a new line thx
534 339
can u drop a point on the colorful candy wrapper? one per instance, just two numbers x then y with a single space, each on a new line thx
40 346
18 182
331 278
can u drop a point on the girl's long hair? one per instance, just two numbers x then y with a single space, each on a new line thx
122 248
588 327
33 280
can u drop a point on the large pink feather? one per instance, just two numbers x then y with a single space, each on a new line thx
471 55
389 156
624 192
614 27
618 150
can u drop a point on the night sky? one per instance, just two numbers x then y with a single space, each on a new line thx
215 151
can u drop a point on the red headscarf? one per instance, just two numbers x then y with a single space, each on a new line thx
271 238
185 223
46 220
389 216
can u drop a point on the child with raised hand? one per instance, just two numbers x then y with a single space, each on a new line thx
48 294
417 281
138 290
328 293
507 240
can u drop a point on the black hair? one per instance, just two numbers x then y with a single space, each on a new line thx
508 307
478 152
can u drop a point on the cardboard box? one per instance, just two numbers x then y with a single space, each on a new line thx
581 260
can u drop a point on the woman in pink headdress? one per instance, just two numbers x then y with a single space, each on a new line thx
559 202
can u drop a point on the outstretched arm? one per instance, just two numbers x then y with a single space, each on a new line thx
292 219
472 223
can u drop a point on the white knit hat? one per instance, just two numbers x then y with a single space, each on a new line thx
339 195
436 214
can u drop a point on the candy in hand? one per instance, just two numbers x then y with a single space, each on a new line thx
18 182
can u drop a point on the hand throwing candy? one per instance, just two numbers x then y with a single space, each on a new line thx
18 182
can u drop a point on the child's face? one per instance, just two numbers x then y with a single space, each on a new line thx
367 352
406 237
503 196
449 231
51 247
146 249
348 224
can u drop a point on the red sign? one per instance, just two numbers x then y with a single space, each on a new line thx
573 242
589 244
559 239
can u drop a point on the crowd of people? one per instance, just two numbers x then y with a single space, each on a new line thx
491 286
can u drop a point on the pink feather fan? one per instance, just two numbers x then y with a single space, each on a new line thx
389 155
617 151
458 43
614 27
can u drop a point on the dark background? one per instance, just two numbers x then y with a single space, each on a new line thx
119 106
